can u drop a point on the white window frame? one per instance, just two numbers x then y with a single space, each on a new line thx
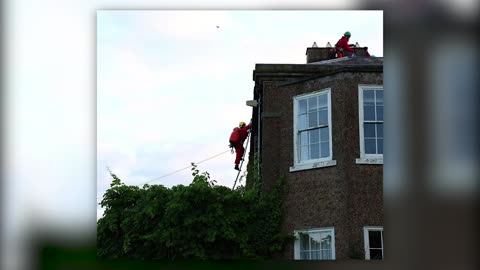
317 230
311 163
366 241
366 158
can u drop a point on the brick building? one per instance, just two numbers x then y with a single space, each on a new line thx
320 125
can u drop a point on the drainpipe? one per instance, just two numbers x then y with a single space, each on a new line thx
256 105
259 135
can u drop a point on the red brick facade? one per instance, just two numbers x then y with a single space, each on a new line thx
347 196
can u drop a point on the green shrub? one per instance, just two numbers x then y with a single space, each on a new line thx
198 221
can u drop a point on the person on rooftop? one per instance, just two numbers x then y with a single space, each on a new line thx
342 45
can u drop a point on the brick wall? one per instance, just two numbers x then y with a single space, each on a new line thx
347 196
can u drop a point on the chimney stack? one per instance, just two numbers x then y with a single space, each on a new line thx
315 54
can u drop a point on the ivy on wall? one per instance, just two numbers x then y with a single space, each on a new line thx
198 221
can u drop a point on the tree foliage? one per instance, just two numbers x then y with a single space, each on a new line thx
201 221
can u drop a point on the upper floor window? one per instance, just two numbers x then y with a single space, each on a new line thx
312 129
371 123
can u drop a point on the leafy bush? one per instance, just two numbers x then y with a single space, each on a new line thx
201 221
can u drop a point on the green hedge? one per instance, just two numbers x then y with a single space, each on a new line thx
198 221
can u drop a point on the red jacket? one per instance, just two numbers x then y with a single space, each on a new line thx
343 43
243 133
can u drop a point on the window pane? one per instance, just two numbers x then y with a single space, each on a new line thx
379 97
304 138
326 241
370 146
380 146
369 113
379 113
323 101
305 255
326 254
315 241
369 130
376 254
375 239
312 104
379 130
302 106
368 97
314 151
314 136
304 238
304 153
315 254
312 119
323 117
302 121
324 134
325 146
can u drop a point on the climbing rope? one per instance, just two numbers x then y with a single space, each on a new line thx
174 171
186 167
231 150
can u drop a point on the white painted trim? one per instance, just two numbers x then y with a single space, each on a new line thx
330 123
313 163
296 245
333 244
366 158
366 229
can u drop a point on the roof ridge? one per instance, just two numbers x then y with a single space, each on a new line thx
334 60
342 59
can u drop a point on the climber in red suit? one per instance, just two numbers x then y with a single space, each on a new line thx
242 133
342 45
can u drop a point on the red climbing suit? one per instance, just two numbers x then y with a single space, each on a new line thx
239 149
341 45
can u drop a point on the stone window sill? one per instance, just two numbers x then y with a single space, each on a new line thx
313 165
372 161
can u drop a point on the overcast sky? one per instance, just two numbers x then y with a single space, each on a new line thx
171 85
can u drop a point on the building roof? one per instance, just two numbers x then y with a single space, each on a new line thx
325 67
297 73
348 60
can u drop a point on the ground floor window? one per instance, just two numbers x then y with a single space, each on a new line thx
315 244
373 238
